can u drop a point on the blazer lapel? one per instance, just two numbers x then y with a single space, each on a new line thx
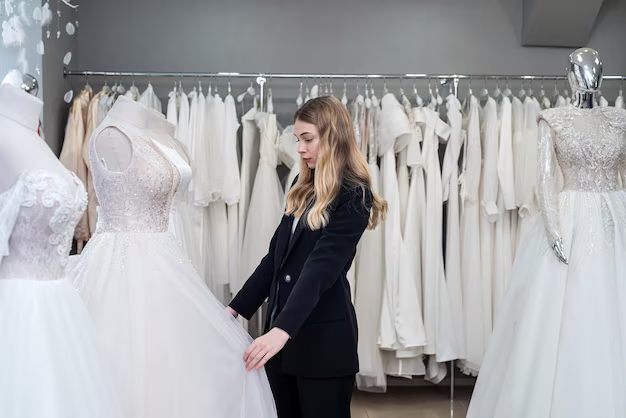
294 238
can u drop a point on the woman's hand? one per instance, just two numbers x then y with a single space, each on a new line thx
232 312
264 348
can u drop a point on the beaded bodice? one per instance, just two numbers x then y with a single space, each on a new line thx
38 215
137 199
590 146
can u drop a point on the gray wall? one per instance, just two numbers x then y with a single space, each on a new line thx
55 109
375 36
326 36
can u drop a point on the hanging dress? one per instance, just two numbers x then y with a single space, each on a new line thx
288 151
231 189
211 195
437 311
266 201
250 155
72 152
503 258
400 320
471 271
172 108
371 281
149 99
489 209
408 361
450 179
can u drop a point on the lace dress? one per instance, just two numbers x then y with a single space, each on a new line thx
175 351
50 366
559 347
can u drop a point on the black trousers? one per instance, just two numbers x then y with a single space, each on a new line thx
300 397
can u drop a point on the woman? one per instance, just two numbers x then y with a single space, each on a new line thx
310 345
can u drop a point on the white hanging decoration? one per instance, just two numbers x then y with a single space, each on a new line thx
8 7
40 48
37 15
68 96
21 61
48 34
70 29
58 34
13 33
24 14
67 58
46 15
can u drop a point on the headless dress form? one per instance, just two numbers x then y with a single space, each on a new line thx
51 365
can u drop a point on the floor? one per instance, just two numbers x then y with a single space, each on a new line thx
411 402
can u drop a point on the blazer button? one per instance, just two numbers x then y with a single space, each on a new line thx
288 278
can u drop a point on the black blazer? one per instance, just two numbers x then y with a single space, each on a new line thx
304 277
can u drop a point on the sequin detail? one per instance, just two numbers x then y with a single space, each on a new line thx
137 199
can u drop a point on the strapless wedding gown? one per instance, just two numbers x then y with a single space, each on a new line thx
175 351
50 365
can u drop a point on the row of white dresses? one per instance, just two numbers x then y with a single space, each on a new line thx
421 303
236 198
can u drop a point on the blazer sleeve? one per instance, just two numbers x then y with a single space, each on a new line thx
257 287
328 259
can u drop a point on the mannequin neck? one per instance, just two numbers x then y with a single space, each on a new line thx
20 107
585 100
138 115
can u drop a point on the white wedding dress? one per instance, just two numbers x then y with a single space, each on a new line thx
559 346
50 365
175 352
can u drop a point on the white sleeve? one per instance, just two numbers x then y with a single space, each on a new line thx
505 158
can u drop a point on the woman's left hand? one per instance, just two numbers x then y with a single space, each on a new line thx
264 348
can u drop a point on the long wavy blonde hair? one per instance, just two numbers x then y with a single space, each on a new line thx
338 160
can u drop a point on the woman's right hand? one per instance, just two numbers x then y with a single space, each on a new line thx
232 312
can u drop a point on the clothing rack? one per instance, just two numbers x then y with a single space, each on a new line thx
261 79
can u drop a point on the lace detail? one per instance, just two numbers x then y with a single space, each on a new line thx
139 198
47 210
590 146
586 146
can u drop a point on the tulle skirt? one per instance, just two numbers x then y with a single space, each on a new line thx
175 352
559 345
50 366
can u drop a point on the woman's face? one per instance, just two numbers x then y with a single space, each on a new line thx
308 142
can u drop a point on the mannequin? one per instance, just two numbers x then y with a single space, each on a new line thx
113 146
21 148
585 79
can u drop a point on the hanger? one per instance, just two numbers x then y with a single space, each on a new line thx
306 90
385 90
522 93
530 89
250 91
332 90
418 100
368 101
230 90
497 92
344 98
621 88
270 97
484 92
507 91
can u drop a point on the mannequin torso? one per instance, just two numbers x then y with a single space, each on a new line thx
114 148
21 148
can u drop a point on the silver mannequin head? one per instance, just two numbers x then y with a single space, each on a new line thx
585 76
